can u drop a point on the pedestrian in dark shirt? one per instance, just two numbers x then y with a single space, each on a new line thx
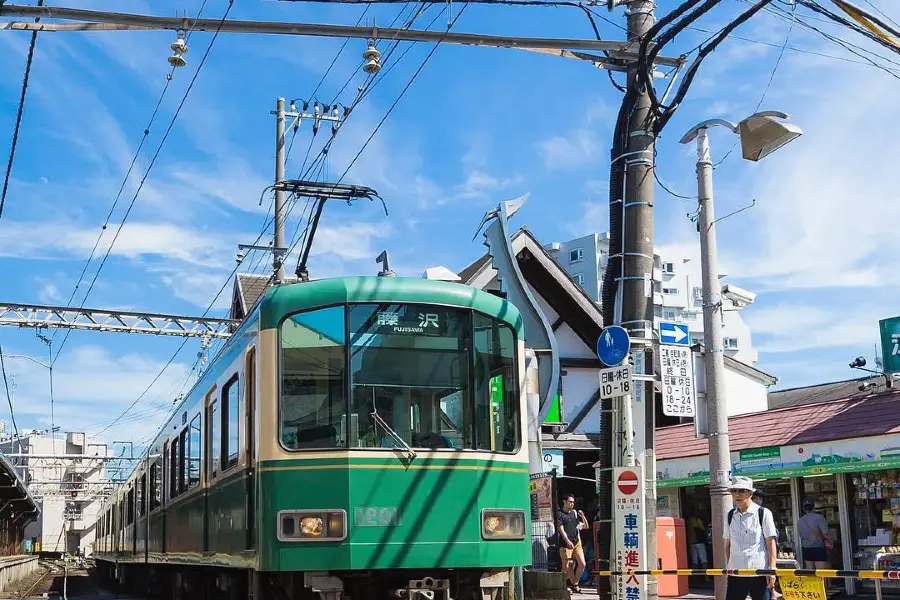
569 524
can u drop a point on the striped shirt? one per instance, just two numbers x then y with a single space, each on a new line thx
748 538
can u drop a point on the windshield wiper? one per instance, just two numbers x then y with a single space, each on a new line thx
409 451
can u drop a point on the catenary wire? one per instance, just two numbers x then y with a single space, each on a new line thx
19 111
12 412
267 223
150 167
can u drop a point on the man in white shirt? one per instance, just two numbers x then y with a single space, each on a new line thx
749 543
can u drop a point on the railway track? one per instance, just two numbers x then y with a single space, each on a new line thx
61 581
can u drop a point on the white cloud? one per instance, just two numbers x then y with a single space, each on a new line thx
827 203
136 240
577 149
792 326
81 404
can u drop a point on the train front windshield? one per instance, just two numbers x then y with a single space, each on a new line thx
381 376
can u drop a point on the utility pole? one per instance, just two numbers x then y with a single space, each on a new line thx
278 257
714 360
637 259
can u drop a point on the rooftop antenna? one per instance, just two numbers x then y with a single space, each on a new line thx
384 259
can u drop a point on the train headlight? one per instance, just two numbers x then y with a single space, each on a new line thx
312 525
502 524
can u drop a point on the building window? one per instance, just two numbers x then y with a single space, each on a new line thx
657 287
576 255
670 313
730 343
668 267
698 293
670 291
578 278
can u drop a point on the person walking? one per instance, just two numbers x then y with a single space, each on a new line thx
749 543
815 538
569 524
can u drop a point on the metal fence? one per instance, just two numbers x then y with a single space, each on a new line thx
544 551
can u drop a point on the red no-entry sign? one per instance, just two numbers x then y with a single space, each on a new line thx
627 482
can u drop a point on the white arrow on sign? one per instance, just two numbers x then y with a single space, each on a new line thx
679 334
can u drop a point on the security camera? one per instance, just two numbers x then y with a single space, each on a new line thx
858 362
738 296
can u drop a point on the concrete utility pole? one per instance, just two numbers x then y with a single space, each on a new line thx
277 257
761 134
714 360
637 246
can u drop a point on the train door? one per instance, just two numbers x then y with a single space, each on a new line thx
250 404
166 496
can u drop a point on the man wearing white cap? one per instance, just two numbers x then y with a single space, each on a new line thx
749 543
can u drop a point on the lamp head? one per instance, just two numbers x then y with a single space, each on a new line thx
762 134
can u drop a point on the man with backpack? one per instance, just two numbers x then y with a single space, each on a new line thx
749 543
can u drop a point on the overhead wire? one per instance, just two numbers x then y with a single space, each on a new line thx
134 158
150 166
311 234
762 98
12 412
19 111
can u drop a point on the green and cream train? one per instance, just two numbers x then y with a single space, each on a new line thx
358 437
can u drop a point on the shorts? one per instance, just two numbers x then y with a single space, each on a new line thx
815 554
566 554
698 554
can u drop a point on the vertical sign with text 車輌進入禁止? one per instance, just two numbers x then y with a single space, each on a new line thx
629 532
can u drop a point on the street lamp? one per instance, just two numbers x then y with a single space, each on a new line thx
49 367
761 134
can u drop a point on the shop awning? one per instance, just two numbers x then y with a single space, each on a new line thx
843 436
877 414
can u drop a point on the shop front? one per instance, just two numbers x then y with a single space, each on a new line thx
854 484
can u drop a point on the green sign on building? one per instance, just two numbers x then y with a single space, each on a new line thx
890 344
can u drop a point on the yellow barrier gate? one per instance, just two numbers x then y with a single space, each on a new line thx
796 584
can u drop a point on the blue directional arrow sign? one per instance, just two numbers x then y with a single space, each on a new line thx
674 333
613 345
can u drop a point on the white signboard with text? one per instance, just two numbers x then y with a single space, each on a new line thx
629 532
676 367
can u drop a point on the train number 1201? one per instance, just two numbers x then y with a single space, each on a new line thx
377 516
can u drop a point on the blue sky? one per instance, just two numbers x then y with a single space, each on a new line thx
478 126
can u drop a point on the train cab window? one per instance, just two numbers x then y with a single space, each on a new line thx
313 406
410 376
231 419
497 404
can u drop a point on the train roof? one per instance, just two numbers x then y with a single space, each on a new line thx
281 300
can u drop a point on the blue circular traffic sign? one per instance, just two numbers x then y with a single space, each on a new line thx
613 345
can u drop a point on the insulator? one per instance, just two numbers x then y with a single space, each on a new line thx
372 58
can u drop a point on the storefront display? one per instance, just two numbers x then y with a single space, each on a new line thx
875 499
777 498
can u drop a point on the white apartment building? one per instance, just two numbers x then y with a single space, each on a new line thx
66 474
677 290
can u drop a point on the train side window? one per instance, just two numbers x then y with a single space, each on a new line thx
183 461
174 471
142 495
194 453
155 485
164 472
214 435
231 419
